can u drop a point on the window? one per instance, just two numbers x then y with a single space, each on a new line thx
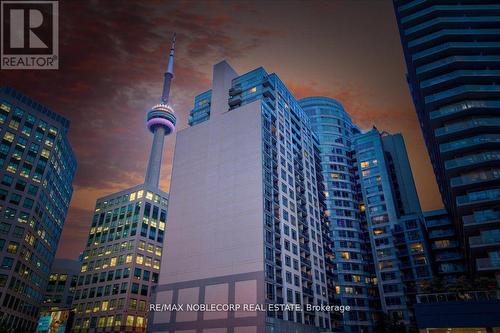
124 288
3 280
130 319
7 263
135 288
144 290
4 228
12 247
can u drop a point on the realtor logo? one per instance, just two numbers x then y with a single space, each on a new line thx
30 35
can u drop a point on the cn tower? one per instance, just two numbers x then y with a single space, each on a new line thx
161 122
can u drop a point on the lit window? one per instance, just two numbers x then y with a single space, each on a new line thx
158 251
128 260
112 262
45 153
252 90
140 194
5 107
139 259
149 196
9 136
130 321
12 247
132 196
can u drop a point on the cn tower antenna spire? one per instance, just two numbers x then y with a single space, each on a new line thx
169 74
161 122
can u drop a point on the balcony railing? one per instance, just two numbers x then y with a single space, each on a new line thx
476 197
457 127
451 32
464 106
485 264
469 296
441 233
437 222
481 217
447 245
455 59
474 141
484 176
459 74
484 240
472 159
465 89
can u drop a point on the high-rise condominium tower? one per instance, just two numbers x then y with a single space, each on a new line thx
37 170
452 53
395 222
246 222
354 276
121 261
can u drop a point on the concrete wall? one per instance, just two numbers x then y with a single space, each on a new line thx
214 236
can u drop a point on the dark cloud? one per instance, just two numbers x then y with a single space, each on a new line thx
113 54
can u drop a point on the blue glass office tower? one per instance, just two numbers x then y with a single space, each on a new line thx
452 52
354 276
37 167
395 222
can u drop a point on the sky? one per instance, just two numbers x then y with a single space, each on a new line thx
113 55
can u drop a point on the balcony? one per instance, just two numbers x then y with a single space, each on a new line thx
453 94
450 48
487 264
468 107
307 291
460 75
234 101
442 65
482 141
467 126
484 240
473 160
428 39
434 234
437 223
479 197
306 276
480 177
481 218
448 256
450 268
469 296
445 245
